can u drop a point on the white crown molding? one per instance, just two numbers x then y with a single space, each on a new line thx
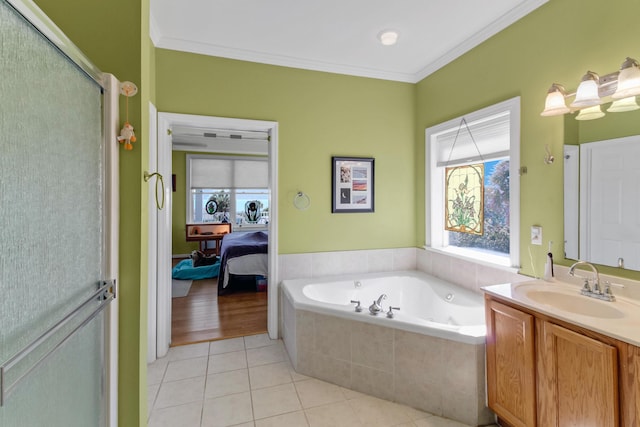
494 28
280 60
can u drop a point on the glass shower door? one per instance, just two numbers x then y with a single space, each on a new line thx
52 250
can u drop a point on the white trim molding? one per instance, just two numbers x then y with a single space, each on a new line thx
525 7
434 179
166 121
112 229
494 28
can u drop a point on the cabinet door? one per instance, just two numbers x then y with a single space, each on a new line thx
511 364
629 369
577 379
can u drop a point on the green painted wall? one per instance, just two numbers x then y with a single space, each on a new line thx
109 33
323 114
179 206
320 115
558 42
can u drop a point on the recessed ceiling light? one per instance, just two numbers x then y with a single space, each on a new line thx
388 37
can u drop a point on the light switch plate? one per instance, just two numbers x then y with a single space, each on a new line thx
536 235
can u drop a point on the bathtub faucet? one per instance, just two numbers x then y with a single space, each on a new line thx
376 308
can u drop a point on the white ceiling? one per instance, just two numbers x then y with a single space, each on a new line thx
338 36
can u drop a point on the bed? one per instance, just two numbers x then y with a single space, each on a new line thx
242 254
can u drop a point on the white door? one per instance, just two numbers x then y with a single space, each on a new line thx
610 200
54 244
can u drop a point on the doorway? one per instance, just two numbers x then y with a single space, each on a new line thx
160 307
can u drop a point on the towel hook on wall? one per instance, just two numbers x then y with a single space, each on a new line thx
159 179
548 157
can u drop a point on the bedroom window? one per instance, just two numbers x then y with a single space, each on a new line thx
224 189
483 146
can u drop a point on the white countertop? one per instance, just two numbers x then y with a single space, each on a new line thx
620 318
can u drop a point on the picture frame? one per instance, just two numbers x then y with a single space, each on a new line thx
352 184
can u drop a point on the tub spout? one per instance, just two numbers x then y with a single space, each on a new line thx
376 307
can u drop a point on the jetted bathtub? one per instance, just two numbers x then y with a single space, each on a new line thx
429 355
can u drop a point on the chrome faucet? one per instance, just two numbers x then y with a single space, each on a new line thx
596 291
376 307
596 275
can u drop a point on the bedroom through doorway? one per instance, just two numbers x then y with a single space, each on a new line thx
222 174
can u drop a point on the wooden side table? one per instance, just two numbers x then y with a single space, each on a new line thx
203 233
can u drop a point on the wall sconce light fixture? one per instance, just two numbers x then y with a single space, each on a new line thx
621 87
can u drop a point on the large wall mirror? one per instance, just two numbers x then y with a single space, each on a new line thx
602 202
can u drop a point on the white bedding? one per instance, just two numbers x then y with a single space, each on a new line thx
253 264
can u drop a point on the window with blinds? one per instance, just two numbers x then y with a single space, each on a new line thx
228 189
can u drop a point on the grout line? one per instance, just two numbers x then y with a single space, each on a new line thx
253 409
204 391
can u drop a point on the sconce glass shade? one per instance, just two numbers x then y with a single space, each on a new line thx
628 80
555 105
590 113
587 93
625 104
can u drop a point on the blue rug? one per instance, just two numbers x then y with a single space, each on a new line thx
184 270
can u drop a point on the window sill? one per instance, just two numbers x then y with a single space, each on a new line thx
247 227
475 256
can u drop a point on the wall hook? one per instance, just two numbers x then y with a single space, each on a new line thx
128 89
548 157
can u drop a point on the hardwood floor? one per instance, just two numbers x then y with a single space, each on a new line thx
204 316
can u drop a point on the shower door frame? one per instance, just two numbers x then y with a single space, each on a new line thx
110 124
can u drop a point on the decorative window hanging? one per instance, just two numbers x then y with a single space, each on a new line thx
127 136
464 193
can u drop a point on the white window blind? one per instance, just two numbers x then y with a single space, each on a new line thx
491 136
229 173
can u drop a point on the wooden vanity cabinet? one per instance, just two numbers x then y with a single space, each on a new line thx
511 370
545 372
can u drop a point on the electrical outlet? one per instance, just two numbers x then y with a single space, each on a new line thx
536 235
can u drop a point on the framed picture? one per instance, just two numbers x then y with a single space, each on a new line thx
352 185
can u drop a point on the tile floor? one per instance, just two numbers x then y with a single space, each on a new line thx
249 382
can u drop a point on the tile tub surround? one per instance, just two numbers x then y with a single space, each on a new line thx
468 274
321 264
432 374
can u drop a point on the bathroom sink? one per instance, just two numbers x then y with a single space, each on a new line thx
575 303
